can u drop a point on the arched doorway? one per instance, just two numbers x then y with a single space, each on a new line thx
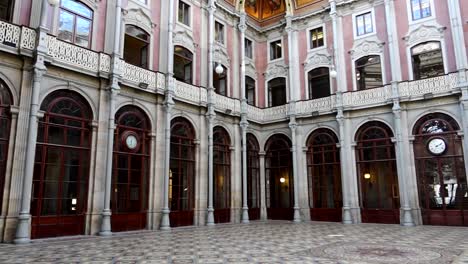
5 122
182 173
253 177
61 168
130 176
279 178
222 175
324 176
377 174
440 171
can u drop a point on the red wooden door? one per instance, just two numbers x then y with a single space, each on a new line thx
61 171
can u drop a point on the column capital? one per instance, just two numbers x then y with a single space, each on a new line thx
261 154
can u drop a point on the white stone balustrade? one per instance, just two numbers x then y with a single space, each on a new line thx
72 55
436 85
275 113
223 103
188 93
28 38
104 62
9 34
370 97
255 114
139 75
325 104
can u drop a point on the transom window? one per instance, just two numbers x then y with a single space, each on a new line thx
316 38
184 13
248 48
75 22
136 46
364 24
219 32
420 9
368 72
275 50
427 60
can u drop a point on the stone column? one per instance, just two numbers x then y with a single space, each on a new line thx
263 210
168 104
211 113
243 123
113 92
293 127
463 85
22 231
457 34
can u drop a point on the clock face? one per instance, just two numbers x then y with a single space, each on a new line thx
131 142
437 146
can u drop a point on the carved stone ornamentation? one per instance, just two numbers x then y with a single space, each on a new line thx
250 70
317 59
275 70
365 47
221 55
140 18
184 38
424 32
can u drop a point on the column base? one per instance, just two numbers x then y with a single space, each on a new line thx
297 215
245 215
347 219
22 229
210 217
407 218
165 221
106 223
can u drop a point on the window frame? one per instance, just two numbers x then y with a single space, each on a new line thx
254 89
253 49
309 91
60 8
355 71
270 59
309 37
374 28
148 45
223 43
409 9
190 7
412 68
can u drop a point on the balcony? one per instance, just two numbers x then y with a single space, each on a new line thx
21 40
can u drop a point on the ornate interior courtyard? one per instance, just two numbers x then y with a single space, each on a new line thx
258 242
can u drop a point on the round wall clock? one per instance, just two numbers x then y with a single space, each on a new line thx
437 146
130 140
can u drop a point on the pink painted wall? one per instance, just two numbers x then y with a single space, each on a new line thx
348 45
443 19
197 40
261 57
156 17
231 34
302 42
25 12
464 15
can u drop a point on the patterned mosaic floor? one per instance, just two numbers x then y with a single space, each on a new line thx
272 242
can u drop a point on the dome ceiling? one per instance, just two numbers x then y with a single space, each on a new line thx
265 9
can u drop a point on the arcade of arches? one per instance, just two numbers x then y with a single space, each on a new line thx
65 171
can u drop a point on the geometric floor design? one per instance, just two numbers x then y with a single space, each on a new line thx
258 242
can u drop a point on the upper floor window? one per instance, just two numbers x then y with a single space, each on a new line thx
364 24
248 48
136 46
75 23
184 13
183 60
368 72
275 50
220 81
427 60
6 9
420 9
250 90
316 38
277 92
319 83
219 32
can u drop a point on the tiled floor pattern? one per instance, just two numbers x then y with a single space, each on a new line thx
272 242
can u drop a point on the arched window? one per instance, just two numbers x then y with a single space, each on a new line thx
440 171
6 10
130 176
222 175
75 23
319 83
277 92
253 177
250 90
136 46
279 178
5 122
61 168
427 60
324 171
368 72
220 81
377 174
183 63
182 172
